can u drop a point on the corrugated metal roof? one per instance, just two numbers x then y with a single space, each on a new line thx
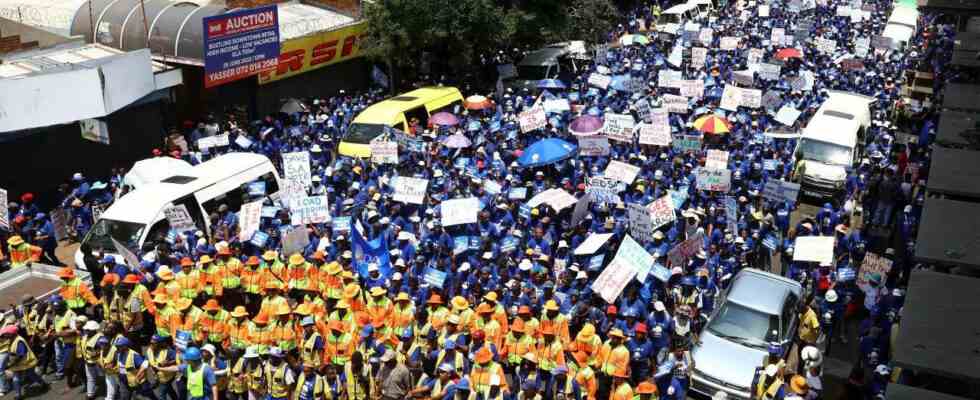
60 59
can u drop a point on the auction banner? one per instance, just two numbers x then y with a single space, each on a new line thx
240 44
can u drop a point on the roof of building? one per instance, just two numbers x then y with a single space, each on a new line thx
61 58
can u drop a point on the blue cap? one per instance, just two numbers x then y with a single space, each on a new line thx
123 341
775 349
688 281
450 345
108 260
192 354
367 331
102 341
157 338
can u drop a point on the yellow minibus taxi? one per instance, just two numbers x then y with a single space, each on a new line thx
396 112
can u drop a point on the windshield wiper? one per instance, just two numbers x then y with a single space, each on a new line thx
741 340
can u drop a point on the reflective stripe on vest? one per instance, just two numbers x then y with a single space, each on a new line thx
277 382
195 381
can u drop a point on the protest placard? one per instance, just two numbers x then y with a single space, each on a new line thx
636 84
341 224
787 115
491 186
249 218
517 193
751 98
640 226
778 191
296 167
685 143
179 218
409 190
604 189
744 77
59 218
764 10
661 211
656 133
729 43
557 198
716 159
754 56
210 142
675 104
706 35
668 78
843 11
434 277
678 256
769 72
699 56
771 99
777 35
861 46
731 97
826 46
556 106
599 80
309 210
693 88
593 146
460 211
715 180
592 243
621 171
613 279
814 248
532 119
619 127
731 213
384 152
872 265
642 109
635 256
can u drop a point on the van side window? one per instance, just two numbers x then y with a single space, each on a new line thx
271 186
418 113
158 232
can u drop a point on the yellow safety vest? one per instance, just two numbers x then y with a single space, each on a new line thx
158 360
235 384
310 355
195 381
356 391
131 370
61 325
256 379
24 363
231 280
90 352
762 393
318 386
277 381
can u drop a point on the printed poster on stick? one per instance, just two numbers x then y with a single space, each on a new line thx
248 219
296 167
661 211
460 211
678 256
640 225
872 265
675 104
613 279
384 152
600 81
309 210
714 180
619 127
595 146
179 218
532 119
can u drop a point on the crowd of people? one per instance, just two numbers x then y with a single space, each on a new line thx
516 316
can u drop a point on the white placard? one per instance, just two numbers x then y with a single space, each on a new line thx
787 115
619 127
731 97
826 46
661 211
751 98
621 171
556 198
249 218
409 190
693 88
593 146
611 282
764 10
296 167
213 141
675 104
556 106
755 56
384 152
729 43
592 243
309 210
657 132
814 248
460 211
600 81
777 36
179 218
716 159
639 221
714 180
532 119
668 78
706 35
699 55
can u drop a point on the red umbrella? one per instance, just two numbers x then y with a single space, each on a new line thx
789 52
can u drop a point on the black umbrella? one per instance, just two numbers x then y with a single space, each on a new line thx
293 106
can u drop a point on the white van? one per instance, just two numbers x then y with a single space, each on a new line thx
900 27
138 218
831 143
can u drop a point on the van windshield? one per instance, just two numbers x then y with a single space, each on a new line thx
361 133
101 235
532 72
824 152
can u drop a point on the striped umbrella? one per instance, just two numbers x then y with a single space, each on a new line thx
713 124
477 102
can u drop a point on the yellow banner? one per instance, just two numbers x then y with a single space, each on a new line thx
307 53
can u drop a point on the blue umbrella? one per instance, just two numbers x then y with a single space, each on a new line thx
546 151
551 84
620 83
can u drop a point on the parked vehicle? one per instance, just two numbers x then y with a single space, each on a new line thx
736 339
831 143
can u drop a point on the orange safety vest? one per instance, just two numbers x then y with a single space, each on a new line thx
338 348
253 280
190 284
614 360
378 310
284 335
238 334
20 255
402 318
214 326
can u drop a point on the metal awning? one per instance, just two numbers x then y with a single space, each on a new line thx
962 97
955 172
938 333
897 391
952 124
948 233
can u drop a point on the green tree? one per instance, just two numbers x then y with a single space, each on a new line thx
590 20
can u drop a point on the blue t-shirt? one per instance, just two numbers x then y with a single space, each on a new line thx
209 381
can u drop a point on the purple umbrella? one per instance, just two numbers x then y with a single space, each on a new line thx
456 141
444 119
586 125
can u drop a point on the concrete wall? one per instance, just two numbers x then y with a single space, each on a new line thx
28 34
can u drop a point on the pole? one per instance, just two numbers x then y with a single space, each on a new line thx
91 19
146 27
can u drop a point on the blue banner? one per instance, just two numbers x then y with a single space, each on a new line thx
369 251
434 277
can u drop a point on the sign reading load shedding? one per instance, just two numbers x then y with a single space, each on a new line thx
240 44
